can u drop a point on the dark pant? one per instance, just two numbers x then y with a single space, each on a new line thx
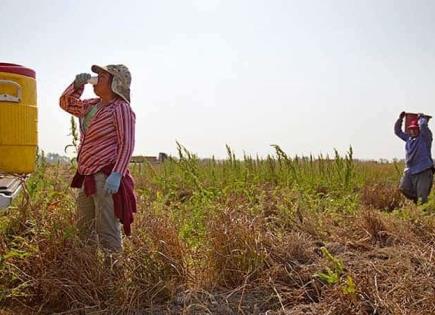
417 186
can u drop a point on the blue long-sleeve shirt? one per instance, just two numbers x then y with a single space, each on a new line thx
418 149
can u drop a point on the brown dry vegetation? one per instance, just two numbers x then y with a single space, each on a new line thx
281 235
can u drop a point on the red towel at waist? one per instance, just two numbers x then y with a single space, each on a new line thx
124 201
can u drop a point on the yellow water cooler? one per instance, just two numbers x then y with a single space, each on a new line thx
18 119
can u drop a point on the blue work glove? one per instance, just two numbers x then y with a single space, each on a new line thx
81 79
112 183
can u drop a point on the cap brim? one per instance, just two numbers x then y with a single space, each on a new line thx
98 69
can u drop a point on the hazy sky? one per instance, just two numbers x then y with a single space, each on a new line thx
307 75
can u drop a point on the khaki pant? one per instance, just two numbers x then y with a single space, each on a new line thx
96 217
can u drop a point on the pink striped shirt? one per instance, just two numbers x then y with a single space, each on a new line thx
110 137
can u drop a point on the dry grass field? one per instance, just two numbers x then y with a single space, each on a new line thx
280 235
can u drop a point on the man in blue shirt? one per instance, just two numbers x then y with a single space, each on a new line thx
416 182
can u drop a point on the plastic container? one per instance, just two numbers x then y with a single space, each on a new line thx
93 80
410 117
18 119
